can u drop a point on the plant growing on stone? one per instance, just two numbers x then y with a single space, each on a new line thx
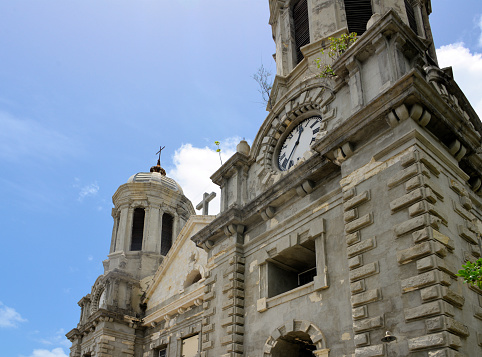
472 273
336 47
265 85
218 150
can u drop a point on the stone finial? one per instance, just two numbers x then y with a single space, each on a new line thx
158 167
243 147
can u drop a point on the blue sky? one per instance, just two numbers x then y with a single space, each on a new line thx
88 92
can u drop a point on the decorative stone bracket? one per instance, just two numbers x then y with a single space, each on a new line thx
342 153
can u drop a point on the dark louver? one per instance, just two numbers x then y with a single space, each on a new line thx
302 27
411 16
137 229
166 234
358 12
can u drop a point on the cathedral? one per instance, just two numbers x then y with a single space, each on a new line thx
341 228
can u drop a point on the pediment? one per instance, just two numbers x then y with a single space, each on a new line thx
180 267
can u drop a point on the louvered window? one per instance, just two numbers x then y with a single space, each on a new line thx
411 16
302 27
137 229
358 12
166 235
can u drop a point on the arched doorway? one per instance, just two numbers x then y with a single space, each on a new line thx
294 344
296 338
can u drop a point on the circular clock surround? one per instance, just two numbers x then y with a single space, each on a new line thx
298 141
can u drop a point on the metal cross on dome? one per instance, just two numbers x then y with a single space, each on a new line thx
159 152
204 204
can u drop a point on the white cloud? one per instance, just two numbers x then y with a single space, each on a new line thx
20 138
56 339
56 352
86 190
9 317
194 166
467 68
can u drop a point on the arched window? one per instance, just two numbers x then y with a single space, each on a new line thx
166 235
358 12
137 229
301 27
193 277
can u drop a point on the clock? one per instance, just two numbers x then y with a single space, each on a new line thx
298 141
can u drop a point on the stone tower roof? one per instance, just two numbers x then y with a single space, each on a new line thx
156 177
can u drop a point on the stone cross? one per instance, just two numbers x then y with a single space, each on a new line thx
204 204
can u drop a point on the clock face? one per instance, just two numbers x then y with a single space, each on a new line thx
298 142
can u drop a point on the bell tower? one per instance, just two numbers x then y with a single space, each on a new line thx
301 28
149 212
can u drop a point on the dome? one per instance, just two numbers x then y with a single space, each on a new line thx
156 177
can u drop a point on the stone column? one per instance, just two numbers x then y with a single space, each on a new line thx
417 9
175 226
152 236
121 231
128 229
115 215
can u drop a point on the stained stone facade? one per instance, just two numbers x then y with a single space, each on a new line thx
359 234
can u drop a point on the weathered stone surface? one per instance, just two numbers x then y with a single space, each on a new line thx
434 262
416 252
364 271
370 351
352 238
350 215
362 339
359 312
447 323
422 280
420 181
359 223
429 309
366 297
434 340
416 223
430 233
357 200
361 247
407 173
446 352
355 262
368 324
423 193
466 234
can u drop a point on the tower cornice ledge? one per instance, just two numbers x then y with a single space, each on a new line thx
229 167
314 169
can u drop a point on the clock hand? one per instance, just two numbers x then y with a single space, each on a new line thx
300 130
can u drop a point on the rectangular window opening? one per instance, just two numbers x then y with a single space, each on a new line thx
190 346
137 229
162 352
292 268
301 27
411 16
358 12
